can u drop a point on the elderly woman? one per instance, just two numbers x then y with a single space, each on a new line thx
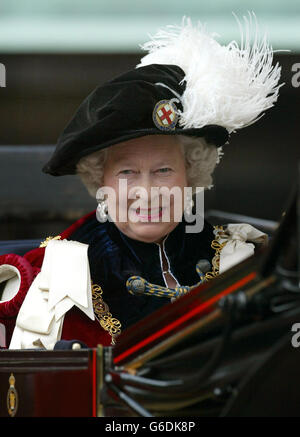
135 142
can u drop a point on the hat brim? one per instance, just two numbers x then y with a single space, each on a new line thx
63 161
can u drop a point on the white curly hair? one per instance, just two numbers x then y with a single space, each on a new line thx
201 159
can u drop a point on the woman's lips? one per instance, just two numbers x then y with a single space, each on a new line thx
149 213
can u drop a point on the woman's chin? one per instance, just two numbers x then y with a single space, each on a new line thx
150 232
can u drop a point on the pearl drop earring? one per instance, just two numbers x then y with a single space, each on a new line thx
188 203
101 212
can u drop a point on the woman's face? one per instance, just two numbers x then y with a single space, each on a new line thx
132 169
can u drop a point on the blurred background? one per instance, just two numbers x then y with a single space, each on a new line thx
56 52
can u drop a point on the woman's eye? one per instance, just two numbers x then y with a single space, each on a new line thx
164 170
125 171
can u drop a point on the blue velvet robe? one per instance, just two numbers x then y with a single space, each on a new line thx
114 257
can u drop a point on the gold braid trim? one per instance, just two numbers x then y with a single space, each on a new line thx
217 246
102 314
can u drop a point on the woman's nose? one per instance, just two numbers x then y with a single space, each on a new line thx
146 190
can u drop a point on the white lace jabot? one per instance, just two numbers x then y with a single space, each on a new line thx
64 281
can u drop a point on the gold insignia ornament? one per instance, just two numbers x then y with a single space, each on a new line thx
165 115
45 242
12 397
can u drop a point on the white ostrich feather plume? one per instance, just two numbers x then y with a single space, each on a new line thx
227 85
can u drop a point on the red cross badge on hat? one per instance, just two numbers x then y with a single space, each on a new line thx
165 115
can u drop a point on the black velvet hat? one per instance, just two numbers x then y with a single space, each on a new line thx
187 84
138 103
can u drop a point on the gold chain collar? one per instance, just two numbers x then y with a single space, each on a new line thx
217 246
102 314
